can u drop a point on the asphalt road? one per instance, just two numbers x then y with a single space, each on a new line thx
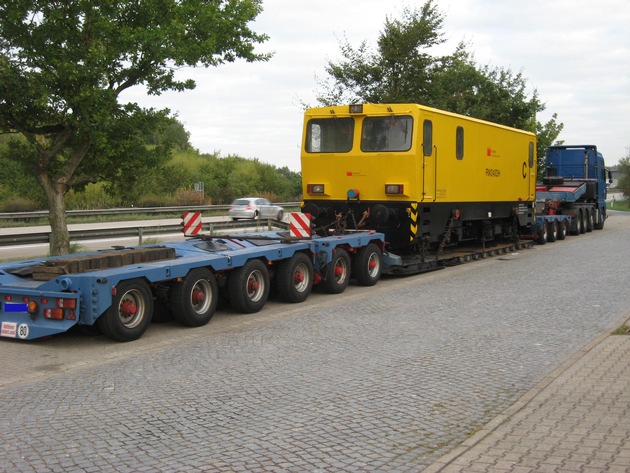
386 378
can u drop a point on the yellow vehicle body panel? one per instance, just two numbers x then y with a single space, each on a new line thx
495 163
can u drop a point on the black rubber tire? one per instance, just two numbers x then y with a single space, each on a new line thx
599 221
576 224
248 287
543 234
563 229
279 215
552 231
130 314
367 265
583 221
337 275
194 300
294 278
590 220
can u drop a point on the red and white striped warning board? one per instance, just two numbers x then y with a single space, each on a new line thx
191 222
299 224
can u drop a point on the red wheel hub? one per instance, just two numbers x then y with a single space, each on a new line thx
298 277
128 308
371 265
339 271
252 285
198 296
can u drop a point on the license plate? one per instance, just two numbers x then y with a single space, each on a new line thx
15 307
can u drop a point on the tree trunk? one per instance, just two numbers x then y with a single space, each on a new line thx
59 237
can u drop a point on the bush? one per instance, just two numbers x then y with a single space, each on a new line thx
181 197
19 204
93 196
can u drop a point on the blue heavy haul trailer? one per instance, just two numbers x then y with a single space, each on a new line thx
119 289
572 195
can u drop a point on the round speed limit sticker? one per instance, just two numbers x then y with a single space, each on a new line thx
22 331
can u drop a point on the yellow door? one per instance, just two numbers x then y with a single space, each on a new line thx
429 164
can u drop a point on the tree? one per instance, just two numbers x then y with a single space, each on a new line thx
624 180
546 135
64 65
402 70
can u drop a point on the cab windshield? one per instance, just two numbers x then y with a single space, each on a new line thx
391 133
329 135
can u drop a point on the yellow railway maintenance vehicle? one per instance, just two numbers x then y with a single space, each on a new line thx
426 178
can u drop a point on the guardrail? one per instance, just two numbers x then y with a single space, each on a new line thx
126 211
209 228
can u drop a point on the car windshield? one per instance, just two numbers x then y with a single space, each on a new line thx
240 202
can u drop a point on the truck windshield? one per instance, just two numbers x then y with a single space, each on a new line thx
329 135
391 133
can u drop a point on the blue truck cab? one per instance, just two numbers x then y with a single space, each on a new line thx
576 177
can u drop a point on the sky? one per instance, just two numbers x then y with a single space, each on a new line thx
575 53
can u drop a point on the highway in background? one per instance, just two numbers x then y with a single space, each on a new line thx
41 249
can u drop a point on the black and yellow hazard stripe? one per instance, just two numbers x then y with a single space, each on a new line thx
413 221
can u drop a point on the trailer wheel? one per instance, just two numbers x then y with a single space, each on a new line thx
367 265
130 314
582 221
590 220
552 231
337 275
248 287
542 234
576 225
599 220
562 229
294 279
194 300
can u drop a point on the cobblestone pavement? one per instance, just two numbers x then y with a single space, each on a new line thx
388 378
576 420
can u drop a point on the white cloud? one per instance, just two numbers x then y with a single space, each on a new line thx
575 53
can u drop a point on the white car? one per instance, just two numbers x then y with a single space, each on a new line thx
255 207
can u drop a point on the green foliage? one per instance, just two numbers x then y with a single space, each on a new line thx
17 178
172 183
402 70
624 180
620 205
93 196
546 135
63 66
15 203
174 133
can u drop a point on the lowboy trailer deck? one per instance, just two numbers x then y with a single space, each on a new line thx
119 289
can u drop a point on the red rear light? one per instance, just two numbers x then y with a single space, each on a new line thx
55 314
66 303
